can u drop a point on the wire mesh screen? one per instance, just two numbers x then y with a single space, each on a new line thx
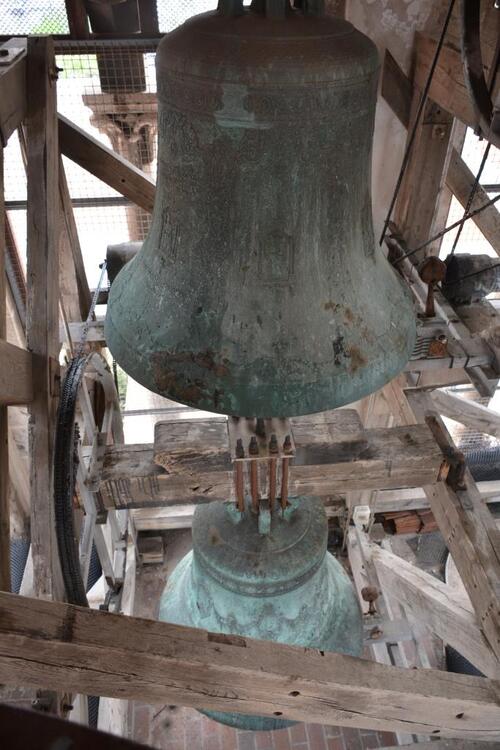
109 90
471 239
33 17
49 16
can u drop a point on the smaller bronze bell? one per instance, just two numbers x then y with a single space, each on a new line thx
283 586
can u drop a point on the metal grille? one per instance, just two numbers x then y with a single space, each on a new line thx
94 77
467 438
19 17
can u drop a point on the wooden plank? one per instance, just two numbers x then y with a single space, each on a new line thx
12 91
75 292
77 19
201 469
181 516
469 413
470 533
43 298
422 186
438 607
90 651
16 366
396 89
448 87
460 180
415 498
4 423
106 164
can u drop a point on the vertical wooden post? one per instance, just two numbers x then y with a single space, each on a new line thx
42 326
4 448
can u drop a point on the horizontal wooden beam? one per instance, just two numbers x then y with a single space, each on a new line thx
414 498
468 413
62 647
106 164
181 516
199 464
437 606
16 385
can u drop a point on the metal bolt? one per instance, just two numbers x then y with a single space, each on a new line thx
253 448
287 445
240 451
370 595
273 444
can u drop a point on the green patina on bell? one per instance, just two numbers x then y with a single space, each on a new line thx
283 586
260 290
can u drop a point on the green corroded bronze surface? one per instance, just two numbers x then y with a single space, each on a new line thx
259 290
283 587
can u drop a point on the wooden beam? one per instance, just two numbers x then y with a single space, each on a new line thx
43 299
468 413
75 292
448 88
436 606
469 531
460 181
106 164
396 89
94 652
16 386
12 91
415 498
199 465
77 19
422 186
4 423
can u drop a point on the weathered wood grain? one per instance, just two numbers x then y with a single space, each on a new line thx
448 87
438 607
89 651
105 164
470 533
16 386
328 460
42 326
12 92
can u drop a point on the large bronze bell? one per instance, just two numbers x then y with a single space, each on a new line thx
260 290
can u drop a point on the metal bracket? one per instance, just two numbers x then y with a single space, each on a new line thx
261 442
453 467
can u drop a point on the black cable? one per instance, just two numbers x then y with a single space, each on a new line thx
471 196
446 230
423 99
473 273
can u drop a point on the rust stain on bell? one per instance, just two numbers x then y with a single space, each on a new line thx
259 290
